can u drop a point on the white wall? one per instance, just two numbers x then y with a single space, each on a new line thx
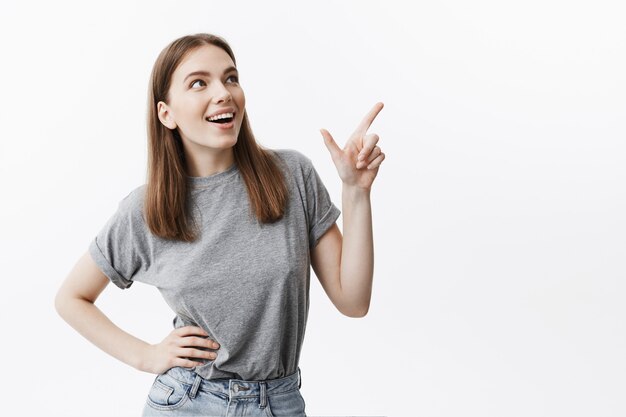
498 212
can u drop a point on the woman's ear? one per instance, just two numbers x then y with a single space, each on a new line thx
165 115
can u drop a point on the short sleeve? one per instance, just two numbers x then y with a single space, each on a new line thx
118 249
321 211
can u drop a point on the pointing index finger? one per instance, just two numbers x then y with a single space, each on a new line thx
368 119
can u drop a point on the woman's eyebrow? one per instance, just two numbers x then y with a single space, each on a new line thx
207 74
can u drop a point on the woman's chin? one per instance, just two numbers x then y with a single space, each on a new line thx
223 142
227 142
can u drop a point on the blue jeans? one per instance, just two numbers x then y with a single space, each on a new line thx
180 391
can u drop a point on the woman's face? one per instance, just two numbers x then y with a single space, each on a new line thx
205 83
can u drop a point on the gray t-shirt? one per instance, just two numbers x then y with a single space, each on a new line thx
244 282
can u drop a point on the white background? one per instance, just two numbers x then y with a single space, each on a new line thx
498 213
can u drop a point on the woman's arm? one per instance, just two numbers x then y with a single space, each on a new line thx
345 264
75 304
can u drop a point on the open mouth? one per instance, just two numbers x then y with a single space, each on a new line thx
221 121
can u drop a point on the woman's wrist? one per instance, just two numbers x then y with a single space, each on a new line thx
141 360
355 192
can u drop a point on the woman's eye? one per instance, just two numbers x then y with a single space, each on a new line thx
196 81
234 77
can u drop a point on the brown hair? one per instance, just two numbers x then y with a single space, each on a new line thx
166 199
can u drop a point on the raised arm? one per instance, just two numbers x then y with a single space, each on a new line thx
345 264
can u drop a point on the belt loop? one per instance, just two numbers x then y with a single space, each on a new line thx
299 379
263 399
195 386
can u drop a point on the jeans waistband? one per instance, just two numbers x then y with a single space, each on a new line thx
236 387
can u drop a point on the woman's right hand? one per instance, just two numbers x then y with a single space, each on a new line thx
175 347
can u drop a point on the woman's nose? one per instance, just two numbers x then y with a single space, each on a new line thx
222 94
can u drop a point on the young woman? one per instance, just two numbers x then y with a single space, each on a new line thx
227 231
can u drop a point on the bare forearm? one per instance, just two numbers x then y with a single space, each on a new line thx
357 255
96 327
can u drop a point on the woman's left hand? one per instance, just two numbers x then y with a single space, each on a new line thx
357 163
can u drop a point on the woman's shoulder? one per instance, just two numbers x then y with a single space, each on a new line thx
136 194
295 160
132 203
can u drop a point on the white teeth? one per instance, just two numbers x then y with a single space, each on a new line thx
221 116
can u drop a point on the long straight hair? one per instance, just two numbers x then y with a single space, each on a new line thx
166 210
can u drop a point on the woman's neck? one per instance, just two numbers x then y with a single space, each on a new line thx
209 162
